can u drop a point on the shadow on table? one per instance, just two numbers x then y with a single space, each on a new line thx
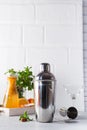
70 121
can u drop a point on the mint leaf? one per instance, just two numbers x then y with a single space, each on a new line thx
25 117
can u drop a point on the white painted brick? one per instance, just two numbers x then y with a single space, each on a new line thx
10 35
16 13
76 64
68 74
79 16
54 56
59 1
12 57
64 36
75 56
59 13
37 1
16 1
32 35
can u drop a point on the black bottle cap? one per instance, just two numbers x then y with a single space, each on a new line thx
72 112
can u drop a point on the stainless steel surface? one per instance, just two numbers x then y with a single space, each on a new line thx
44 94
44 67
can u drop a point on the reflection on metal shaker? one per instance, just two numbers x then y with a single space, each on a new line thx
44 87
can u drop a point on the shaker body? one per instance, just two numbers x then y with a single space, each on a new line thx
44 100
44 89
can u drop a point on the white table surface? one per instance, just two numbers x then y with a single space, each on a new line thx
13 123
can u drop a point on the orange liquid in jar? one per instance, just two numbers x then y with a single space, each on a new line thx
11 95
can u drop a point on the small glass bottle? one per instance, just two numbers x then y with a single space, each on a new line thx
11 95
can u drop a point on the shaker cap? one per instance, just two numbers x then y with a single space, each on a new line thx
45 67
45 73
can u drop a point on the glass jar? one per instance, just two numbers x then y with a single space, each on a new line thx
11 95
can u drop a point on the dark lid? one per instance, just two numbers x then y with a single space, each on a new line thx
44 67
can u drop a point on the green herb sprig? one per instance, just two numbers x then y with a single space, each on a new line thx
25 117
11 72
24 79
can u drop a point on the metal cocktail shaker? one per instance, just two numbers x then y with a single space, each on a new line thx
44 88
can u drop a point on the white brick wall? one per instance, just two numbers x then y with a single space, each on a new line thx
35 31
56 35
32 35
10 35
56 13
16 14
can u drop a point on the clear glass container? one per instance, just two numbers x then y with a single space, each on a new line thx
11 95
